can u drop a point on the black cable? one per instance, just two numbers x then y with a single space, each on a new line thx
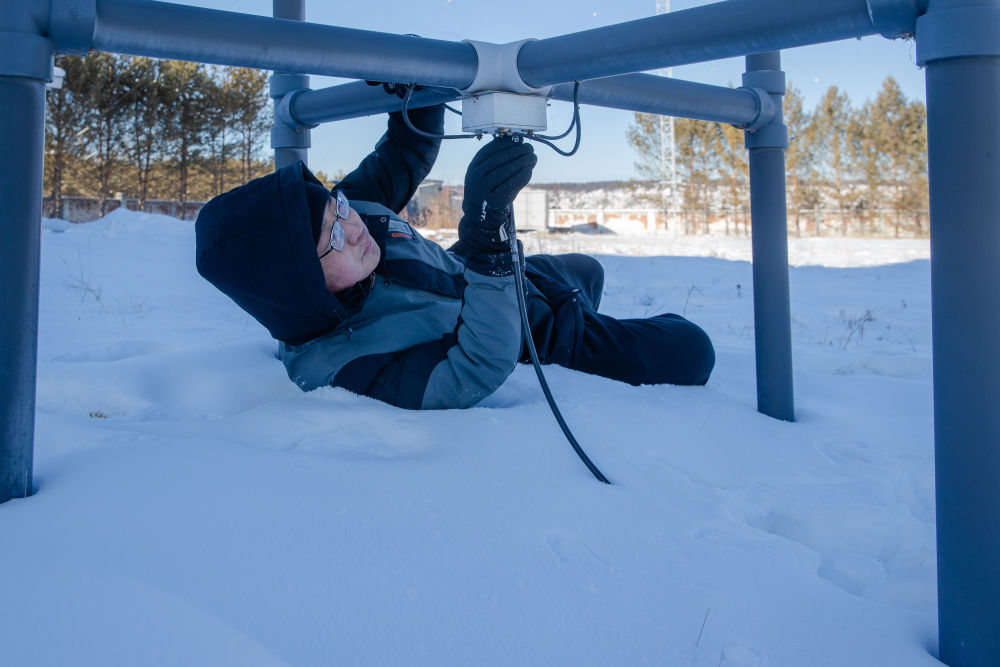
576 115
545 139
526 332
540 138
429 135
518 270
452 109
572 151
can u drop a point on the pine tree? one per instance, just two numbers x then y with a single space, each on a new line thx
836 170
105 107
734 169
65 129
913 192
185 127
247 91
890 138
646 140
643 136
218 132
698 150
800 160
887 114
862 134
152 128
146 95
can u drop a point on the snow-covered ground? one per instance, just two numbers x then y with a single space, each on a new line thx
194 507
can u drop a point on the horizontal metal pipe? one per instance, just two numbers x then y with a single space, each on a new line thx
711 32
166 30
669 97
354 100
630 92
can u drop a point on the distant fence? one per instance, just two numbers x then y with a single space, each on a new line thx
640 220
878 222
533 213
736 222
85 209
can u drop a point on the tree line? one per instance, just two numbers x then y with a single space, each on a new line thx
865 166
153 129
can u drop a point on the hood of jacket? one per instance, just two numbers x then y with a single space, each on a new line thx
255 244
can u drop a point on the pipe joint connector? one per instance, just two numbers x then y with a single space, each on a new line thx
767 129
896 18
72 24
767 110
285 136
497 69
26 56
282 83
772 135
284 111
958 32
769 80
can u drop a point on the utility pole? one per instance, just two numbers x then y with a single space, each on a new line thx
668 148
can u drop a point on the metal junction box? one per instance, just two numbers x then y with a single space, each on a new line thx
485 112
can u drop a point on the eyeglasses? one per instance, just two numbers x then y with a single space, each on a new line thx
337 235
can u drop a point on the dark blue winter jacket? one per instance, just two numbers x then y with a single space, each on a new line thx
430 333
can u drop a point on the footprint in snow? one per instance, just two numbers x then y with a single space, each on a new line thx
570 551
741 656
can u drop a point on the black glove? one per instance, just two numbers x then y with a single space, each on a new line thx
496 174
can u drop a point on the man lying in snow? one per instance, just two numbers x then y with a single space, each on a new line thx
358 299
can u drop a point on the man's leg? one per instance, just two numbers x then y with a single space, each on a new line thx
662 349
553 274
558 285
568 330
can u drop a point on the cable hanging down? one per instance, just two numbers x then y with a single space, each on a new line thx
516 255
540 138
526 333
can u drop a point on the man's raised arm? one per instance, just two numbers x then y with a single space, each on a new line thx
470 363
390 174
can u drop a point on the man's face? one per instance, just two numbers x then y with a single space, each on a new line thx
358 258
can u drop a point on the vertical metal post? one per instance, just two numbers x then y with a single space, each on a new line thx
957 42
25 66
772 316
290 144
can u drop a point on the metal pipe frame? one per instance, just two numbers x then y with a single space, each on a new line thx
724 29
21 134
166 30
310 108
711 32
631 92
772 312
957 42
290 144
647 93
25 67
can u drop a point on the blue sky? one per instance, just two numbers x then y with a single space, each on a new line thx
856 66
